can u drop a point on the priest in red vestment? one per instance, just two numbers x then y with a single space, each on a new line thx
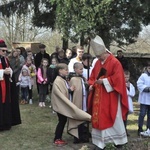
107 99
9 106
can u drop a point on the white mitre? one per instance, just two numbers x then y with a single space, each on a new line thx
98 45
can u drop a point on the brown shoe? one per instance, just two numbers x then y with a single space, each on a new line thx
26 102
22 102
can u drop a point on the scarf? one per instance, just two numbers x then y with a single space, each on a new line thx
44 72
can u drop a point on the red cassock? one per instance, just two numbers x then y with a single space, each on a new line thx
101 104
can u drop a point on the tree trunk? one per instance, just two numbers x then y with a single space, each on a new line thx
65 44
82 39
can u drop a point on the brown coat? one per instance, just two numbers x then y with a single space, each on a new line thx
61 104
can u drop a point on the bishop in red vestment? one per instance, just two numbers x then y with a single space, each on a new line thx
108 98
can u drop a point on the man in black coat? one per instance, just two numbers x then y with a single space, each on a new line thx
38 58
122 59
42 54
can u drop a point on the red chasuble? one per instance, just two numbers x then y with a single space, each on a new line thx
104 105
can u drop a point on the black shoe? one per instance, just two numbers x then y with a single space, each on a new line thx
86 140
118 146
5 128
76 140
128 134
139 131
97 148
90 135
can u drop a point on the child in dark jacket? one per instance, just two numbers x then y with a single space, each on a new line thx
52 70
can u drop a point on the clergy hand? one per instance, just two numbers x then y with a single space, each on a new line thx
90 87
7 71
99 81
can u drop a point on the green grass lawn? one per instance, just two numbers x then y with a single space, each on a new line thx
37 132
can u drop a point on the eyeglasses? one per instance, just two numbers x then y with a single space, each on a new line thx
3 50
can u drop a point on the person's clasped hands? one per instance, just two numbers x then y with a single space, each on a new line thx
7 71
72 88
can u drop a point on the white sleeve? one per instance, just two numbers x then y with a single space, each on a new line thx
107 85
70 66
131 91
1 74
11 72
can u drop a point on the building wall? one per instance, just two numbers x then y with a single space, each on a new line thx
34 47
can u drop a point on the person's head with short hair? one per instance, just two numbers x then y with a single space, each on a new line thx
74 49
62 69
119 54
42 48
61 53
44 62
80 52
68 53
127 75
29 53
54 61
78 68
57 49
148 67
29 60
25 72
118 51
21 50
85 58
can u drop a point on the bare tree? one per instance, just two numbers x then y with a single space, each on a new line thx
19 28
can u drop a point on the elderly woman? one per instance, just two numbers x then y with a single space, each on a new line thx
14 61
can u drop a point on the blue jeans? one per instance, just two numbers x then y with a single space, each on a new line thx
144 109
24 93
